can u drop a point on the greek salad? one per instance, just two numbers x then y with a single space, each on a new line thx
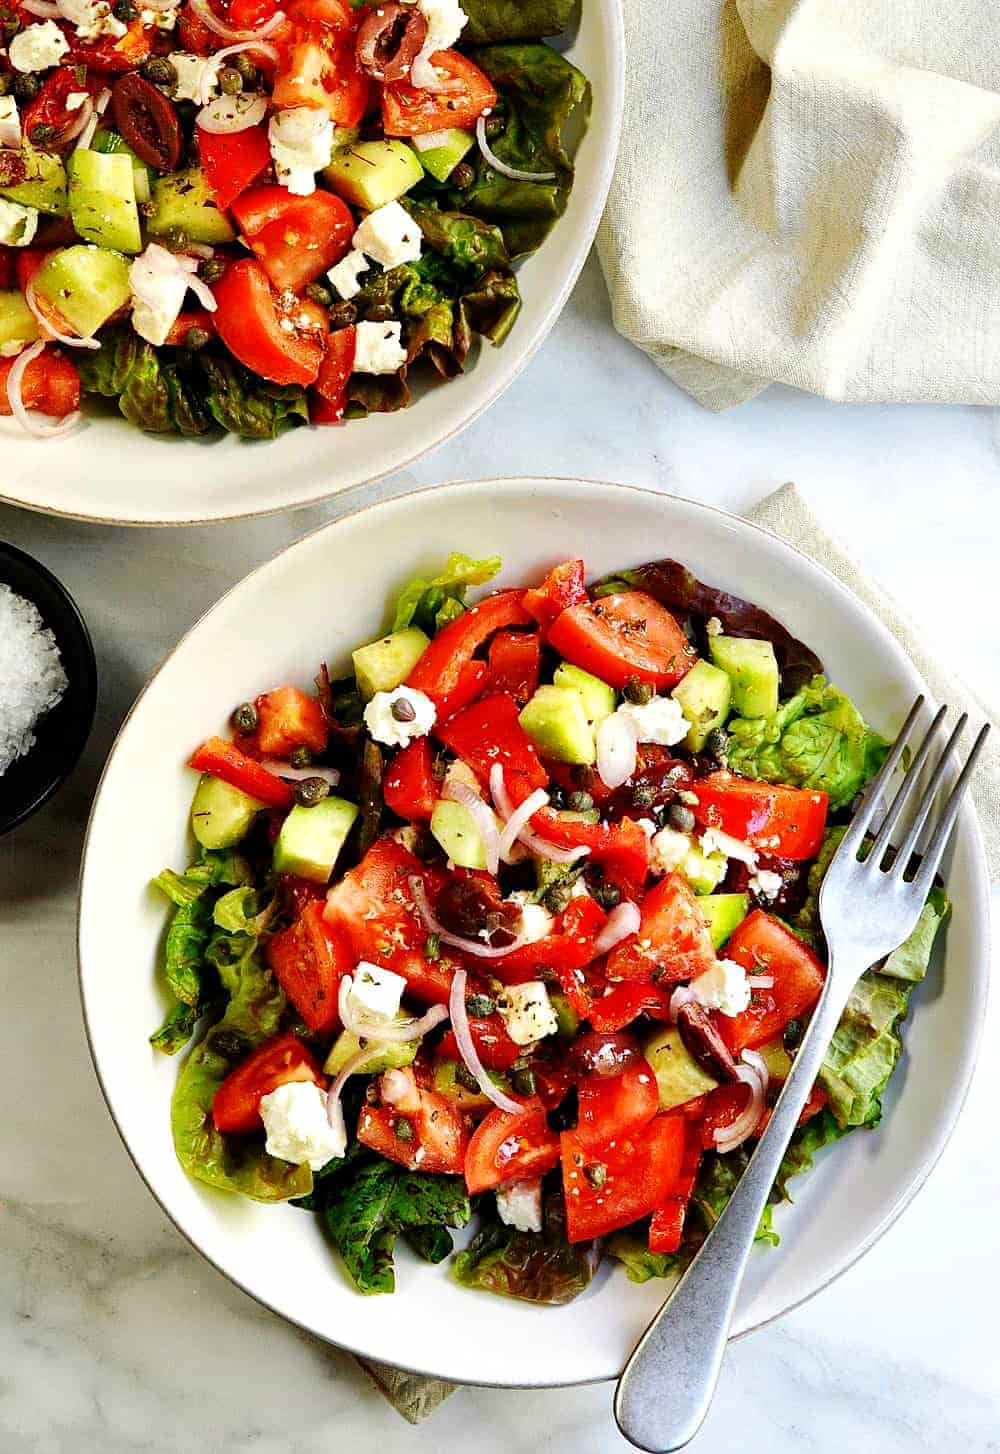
518 918
222 214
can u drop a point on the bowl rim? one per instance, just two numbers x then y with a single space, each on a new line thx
604 172
86 683
979 904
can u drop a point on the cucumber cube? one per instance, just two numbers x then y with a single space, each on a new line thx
753 668
457 831
44 185
311 839
722 914
85 286
383 665
679 1077
370 174
102 200
704 695
556 721
598 698
221 815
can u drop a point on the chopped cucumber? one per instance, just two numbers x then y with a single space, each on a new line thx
370 174
110 141
183 205
393 1055
221 815
85 285
722 914
17 322
556 721
102 200
311 839
704 695
383 665
569 1020
776 1058
704 871
598 698
679 1077
441 151
753 668
447 1083
44 186
457 831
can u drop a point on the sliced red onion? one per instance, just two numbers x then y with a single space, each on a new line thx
213 64
469 946
334 1110
49 329
753 1072
40 428
227 115
103 101
682 995
385 1032
395 1086
464 793
467 1048
531 840
617 748
519 820
277 768
516 174
207 15
760 981
622 921
81 121
87 134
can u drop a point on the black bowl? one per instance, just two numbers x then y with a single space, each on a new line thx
62 733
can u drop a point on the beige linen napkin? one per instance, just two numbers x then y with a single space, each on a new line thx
787 515
808 192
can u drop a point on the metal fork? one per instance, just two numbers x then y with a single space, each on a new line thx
867 908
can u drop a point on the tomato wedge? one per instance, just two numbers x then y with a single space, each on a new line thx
509 1147
249 321
407 111
622 849
323 72
779 821
295 238
309 959
618 1105
563 587
442 668
672 943
409 787
666 1226
564 953
489 733
624 636
49 383
623 1003
608 1186
335 370
435 1137
236 1107
763 945
233 161
224 760
515 663
287 718
496 1049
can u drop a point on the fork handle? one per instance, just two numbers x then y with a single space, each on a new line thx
667 1386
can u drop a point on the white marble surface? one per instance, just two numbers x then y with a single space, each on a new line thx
115 1336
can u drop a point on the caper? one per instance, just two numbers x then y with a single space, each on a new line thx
403 710
643 795
638 692
197 338
246 68
319 293
310 791
608 895
125 10
432 947
211 269
230 81
246 717
463 176
160 72
341 314
480 1005
403 1129
580 802
557 896
495 126
26 86
681 818
465 1077
148 209
300 757
792 1036
596 1173
717 743
523 1081
42 133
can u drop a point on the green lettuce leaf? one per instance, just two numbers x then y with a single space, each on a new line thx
911 960
500 20
187 939
817 739
540 1267
540 90
244 404
176 1030
433 1244
819 1131
236 911
431 604
469 246
489 309
629 1246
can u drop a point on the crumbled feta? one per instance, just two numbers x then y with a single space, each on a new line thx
162 19
723 987
191 71
445 22
579 890
713 840
378 348
301 141
389 236
536 922
10 122
395 728
92 18
713 626
765 884
527 1012
18 224
648 826
660 720
519 1204
38 47
375 993
668 850
297 1126
159 280
345 275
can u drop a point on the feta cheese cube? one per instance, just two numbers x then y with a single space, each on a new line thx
668 850
297 1126
375 993
378 348
527 1012
75 100
191 71
395 718
445 22
659 720
519 1204
301 141
536 922
18 224
723 987
159 280
10 122
765 884
92 18
713 840
38 47
389 236
345 275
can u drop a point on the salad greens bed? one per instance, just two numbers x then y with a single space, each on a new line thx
429 999
239 217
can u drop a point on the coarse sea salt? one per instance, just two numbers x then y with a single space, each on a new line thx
32 679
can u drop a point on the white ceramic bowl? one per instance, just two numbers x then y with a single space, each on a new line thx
320 598
109 471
